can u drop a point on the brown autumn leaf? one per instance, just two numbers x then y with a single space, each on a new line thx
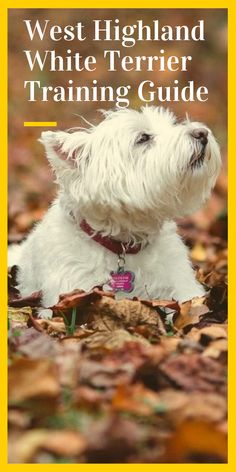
217 350
33 322
196 441
207 334
169 344
33 300
113 440
213 278
85 396
111 339
145 331
33 344
67 360
30 378
79 298
18 419
54 326
108 374
172 304
137 354
136 399
24 448
128 312
198 253
180 406
223 427
210 407
190 314
104 313
65 443
193 372
79 334
189 346
76 298
217 301
174 403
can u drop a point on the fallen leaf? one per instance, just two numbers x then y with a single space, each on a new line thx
190 314
129 376
193 373
209 407
30 378
217 300
18 419
128 312
196 441
85 396
56 325
209 333
172 304
18 317
24 448
181 406
113 440
33 300
136 399
204 336
198 253
66 443
33 344
106 375
33 322
111 340
170 344
217 349
78 298
67 361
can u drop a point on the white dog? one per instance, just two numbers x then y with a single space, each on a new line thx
121 184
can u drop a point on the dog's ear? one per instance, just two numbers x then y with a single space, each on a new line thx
64 149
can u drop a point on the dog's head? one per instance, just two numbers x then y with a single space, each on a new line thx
135 169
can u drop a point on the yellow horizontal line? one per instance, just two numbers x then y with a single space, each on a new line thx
40 123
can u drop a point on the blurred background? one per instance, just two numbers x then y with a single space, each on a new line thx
31 187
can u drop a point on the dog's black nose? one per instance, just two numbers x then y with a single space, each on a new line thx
201 134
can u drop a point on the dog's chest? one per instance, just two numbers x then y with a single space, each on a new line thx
141 274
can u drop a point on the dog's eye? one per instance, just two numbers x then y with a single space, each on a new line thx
144 138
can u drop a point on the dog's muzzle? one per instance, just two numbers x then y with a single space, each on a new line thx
201 137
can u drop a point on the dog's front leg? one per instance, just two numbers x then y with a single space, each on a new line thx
184 283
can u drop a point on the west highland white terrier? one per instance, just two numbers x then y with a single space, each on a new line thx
121 185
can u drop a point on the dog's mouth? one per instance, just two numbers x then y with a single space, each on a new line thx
197 158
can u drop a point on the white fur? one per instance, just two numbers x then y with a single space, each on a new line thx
125 190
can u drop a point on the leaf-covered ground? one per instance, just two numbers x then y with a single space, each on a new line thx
123 381
128 384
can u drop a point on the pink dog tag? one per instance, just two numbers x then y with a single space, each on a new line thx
122 281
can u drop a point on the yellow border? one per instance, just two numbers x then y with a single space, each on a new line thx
40 123
231 5
119 4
